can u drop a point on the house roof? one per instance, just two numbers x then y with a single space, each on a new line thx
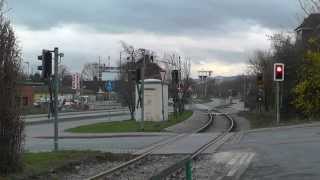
311 22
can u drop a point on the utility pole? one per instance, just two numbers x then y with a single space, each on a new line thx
142 89
28 71
56 90
244 88
163 76
120 62
99 70
205 86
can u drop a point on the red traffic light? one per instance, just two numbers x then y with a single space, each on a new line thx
278 72
279 69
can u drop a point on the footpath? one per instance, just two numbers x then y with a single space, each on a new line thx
195 122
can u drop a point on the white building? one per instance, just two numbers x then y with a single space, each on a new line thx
153 101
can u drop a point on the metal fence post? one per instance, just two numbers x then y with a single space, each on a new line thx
188 170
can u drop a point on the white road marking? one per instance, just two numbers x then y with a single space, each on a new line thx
241 165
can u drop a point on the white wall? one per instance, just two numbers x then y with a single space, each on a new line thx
153 101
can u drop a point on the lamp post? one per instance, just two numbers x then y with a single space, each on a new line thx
163 76
142 89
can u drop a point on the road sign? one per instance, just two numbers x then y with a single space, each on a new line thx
108 86
76 81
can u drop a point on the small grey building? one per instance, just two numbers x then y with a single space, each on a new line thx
153 101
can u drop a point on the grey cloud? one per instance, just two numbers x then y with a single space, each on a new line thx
163 17
221 56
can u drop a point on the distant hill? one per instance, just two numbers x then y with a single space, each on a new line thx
219 79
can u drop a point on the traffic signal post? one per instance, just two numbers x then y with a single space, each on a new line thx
46 74
260 91
278 72
56 90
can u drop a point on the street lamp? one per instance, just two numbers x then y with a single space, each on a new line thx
163 76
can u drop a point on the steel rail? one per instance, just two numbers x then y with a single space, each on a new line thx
169 170
150 151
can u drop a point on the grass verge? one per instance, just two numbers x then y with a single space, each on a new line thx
268 119
39 165
130 125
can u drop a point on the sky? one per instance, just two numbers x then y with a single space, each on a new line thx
216 35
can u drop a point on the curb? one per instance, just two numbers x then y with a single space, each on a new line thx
105 136
74 118
316 124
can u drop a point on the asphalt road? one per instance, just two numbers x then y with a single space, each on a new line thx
112 144
287 153
283 153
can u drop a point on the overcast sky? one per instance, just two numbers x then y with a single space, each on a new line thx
217 35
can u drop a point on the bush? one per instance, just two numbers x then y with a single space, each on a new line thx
11 126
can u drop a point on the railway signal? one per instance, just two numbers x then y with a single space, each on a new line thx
53 83
278 72
46 67
260 79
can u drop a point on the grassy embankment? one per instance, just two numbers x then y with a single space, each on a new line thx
130 125
268 119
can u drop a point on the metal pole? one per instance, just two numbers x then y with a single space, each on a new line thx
99 61
28 72
56 90
162 102
188 171
244 90
142 91
120 63
277 101
205 86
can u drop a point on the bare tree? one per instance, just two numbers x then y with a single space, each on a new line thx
126 89
90 71
126 85
183 65
310 6
63 73
11 125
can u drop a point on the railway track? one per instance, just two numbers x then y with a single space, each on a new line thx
165 163
185 162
